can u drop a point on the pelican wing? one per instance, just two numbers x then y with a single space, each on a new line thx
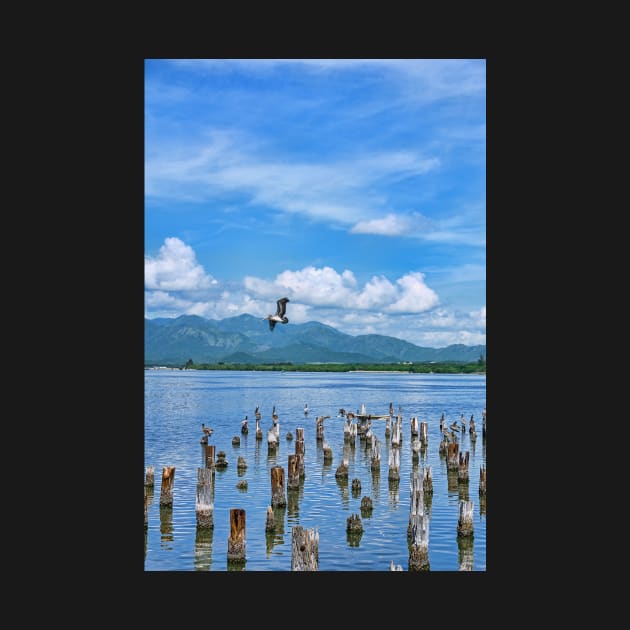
282 306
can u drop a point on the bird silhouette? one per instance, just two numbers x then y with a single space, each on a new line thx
279 317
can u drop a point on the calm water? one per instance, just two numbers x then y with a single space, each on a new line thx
177 402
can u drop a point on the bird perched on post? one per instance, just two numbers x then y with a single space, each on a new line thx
279 317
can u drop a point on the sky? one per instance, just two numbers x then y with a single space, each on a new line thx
356 188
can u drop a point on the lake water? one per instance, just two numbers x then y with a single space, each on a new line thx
178 401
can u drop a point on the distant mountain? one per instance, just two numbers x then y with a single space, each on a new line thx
247 339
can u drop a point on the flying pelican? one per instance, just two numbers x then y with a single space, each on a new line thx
279 317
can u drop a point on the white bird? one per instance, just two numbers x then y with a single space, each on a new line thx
305 409
279 317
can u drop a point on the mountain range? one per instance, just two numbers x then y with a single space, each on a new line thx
247 339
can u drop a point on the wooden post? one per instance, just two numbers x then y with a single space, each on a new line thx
387 424
375 456
241 463
293 473
236 540
259 434
328 453
270 525
166 490
416 504
465 522
204 505
424 434
414 426
319 423
149 479
304 549
272 440
278 496
236 441
482 480
356 487
366 506
427 481
394 464
354 524
419 547
210 448
221 461
452 451
462 472
300 449
342 469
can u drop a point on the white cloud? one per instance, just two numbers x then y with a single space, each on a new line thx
415 295
413 224
175 269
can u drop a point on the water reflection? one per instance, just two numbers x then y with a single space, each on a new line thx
393 495
451 478
203 548
482 504
354 538
150 495
166 526
276 537
293 504
462 490
376 484
465 552
342 484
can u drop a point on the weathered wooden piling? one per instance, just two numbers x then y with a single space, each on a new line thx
354 524
259 433
356 487
241 463
388 429
414 426
465 521
328 453
369 437
391 409
300 449
242 484
416 503
462 469
427 480
210 448
471 425
452 451
319 428
482 480
443 446
272 440
289 436
278 495
424 434
463 425
366 506
304 549
375 455
236 441
236 540
146 510
419 546
166 490
293 473
204 504
415 448
149 478
270 525
394 464
221 461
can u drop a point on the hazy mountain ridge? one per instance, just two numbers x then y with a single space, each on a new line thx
247 339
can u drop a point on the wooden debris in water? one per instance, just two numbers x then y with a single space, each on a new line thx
242 484
395 567
419 545
236 441
427 481
354 524
270 525
236 540
304 549
241 463
414 426
482 480
149 479
375 455
394 464
465 521
278 496
204 504
452 451
210 448
462 471
221 461
166 491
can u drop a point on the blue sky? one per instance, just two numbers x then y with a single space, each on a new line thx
356 188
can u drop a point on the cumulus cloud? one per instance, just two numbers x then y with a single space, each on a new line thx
175 268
